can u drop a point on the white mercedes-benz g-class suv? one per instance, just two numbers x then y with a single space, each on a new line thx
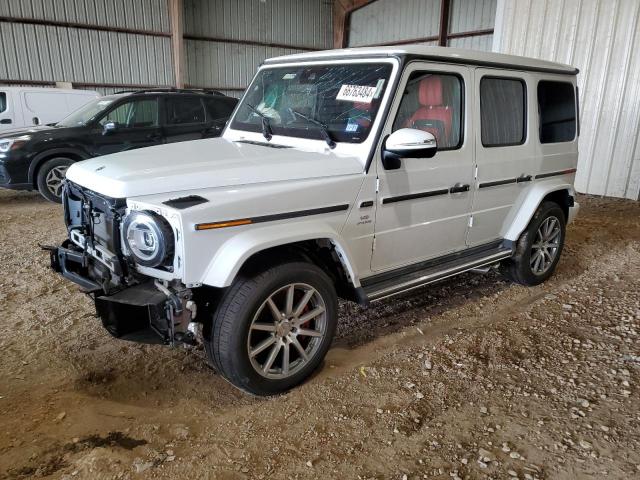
358 173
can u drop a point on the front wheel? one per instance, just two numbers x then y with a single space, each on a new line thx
539 247
50 178
272 330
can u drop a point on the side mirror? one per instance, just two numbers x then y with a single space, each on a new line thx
407 143
36 121
108 128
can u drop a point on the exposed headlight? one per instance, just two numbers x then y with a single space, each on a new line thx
148 238
7 144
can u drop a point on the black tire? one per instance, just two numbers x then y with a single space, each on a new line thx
518 268
227 337
51 167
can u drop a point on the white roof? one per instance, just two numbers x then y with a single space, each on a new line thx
440 54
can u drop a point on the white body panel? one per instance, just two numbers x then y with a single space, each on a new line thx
413 230
242 178
48 105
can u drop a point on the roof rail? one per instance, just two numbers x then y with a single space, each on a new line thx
173 90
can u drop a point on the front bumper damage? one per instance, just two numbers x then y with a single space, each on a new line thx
145 312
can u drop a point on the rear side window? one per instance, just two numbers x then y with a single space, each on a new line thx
219 108
184 110
3 102
502 111
557 107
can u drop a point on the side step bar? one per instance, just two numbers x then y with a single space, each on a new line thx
387 287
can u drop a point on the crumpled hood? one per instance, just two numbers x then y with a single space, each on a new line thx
201 164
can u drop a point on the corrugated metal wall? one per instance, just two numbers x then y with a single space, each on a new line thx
387 21
85 55
224 38
135 14
602 39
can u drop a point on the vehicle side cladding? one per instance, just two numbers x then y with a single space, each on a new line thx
71 153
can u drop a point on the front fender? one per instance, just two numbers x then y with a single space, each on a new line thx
519 220
40 158
232 254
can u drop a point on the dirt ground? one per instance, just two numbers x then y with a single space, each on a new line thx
472 378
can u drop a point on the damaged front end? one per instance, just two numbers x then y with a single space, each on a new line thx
131 306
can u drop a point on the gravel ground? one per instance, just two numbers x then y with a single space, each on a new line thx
472 378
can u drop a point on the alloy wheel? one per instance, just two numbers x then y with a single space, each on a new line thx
54 179
546 245
287 331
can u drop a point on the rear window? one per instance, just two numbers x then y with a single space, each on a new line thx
184 110
502 111
557 107
3 102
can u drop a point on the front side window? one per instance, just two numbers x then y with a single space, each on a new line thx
557 107
433 102
344 98
134 114
218 109
3 102
184 110
502 111
86 113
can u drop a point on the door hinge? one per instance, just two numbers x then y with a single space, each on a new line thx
373 245
377 184
475 175
471 221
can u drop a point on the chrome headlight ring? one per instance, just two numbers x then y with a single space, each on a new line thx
148 238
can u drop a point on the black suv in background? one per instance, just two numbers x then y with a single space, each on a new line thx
38 157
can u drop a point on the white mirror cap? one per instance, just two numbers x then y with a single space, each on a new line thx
410 139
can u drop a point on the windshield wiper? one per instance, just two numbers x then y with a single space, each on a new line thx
266 126
323 128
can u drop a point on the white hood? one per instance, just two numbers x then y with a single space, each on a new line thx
200 164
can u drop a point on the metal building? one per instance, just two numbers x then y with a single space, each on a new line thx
602 39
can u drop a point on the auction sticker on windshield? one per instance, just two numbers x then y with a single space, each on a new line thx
356 93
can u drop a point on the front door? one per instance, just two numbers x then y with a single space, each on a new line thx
418 215
135 125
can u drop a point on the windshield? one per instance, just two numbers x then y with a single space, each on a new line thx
86 113
344 98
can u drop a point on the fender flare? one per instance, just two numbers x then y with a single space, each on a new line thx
40 158
530 204
233 254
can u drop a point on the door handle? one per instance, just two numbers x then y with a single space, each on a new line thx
459 188
524 178
154 136
5 121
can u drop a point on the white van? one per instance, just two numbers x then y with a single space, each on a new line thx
28 106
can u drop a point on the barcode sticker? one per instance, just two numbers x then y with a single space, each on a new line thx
356 93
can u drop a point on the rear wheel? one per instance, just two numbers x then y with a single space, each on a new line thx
272 330
51 176
539 247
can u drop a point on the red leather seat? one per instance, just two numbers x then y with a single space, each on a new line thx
432 116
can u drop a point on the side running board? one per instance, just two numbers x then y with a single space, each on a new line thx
402 280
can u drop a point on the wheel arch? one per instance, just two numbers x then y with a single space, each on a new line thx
252 250
39 160
561 193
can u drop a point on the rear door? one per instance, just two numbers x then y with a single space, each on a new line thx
505 153
185 118
219 110
136 124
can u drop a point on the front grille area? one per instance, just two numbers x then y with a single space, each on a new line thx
95 216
